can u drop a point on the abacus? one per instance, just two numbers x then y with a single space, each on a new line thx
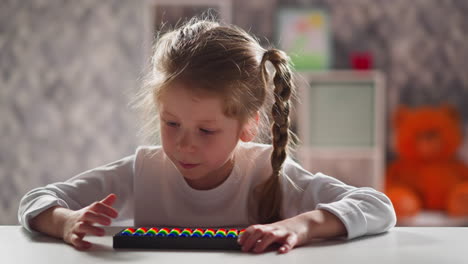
177 238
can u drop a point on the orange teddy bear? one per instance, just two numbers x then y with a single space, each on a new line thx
427 174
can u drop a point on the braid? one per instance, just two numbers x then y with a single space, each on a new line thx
269 194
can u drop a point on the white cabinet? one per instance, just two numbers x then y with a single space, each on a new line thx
340 121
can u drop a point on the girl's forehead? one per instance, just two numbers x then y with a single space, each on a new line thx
187 90
181 101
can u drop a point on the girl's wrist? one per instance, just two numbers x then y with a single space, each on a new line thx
51 221
322 224
61 216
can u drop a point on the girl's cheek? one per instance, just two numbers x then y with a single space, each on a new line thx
209 140
169 136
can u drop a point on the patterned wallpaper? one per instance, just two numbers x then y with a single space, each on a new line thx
68 68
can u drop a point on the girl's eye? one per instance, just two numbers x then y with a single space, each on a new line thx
207 132
172 124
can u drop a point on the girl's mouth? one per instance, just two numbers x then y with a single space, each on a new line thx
188 165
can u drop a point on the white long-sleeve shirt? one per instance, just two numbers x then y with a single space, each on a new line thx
152 192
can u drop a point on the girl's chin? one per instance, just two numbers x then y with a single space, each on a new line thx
196 184
190 175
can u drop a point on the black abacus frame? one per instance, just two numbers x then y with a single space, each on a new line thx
174 242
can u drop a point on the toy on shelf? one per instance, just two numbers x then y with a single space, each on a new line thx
177 238
427 175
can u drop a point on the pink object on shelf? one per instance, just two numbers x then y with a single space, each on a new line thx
361 60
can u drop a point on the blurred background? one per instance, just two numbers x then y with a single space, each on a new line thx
69 68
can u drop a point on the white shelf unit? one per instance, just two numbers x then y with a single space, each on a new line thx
340 121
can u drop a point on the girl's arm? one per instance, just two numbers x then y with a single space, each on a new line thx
70 210
321 207
81 191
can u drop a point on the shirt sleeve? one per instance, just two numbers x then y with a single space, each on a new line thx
363 211
82 190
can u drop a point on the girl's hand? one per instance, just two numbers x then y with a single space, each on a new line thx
287 233
295 231
81 222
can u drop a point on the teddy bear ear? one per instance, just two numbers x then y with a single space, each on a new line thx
400 114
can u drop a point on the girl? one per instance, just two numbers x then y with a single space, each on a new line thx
209 85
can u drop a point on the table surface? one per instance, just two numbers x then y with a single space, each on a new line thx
399 245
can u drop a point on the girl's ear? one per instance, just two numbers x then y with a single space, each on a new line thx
250 129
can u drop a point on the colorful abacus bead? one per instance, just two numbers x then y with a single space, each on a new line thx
140 231
128 232
152 232
197 232
232 233
187 232
163 232
209 233
175 232
221 233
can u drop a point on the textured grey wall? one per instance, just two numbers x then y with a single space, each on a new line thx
66 68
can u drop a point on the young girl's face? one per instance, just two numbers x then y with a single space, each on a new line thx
197 137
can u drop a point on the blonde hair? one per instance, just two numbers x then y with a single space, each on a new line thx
225 61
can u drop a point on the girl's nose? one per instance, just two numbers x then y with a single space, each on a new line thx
186 142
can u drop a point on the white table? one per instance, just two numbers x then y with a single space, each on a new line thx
401 245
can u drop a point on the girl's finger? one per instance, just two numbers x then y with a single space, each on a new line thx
266 241
290 243
105 209
252 239
109 200
78 242
83 227
93 217
247 233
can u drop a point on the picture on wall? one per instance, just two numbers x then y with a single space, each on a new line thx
305 36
